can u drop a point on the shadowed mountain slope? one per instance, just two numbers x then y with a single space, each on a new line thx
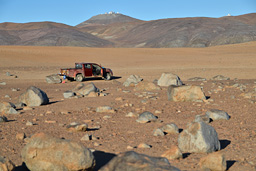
179 32
118 30
47 34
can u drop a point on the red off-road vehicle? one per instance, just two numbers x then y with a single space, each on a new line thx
86 70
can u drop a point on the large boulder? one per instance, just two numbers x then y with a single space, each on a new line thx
34 96
44 152
185 93
132 161
85 89
53 79
132 80
198 137
168 79
146 86
6 165
8 108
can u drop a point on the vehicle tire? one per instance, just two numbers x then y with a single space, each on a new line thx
79 77
108 76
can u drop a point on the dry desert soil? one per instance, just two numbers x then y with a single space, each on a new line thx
116 131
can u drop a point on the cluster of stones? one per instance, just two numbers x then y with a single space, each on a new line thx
44 152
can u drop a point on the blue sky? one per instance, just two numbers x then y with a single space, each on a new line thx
73 12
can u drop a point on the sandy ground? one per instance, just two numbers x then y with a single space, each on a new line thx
32 64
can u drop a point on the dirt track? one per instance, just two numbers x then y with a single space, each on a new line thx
32 64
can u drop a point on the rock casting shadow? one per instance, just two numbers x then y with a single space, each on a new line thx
224 143
102 159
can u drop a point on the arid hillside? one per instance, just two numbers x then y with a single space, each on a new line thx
118 30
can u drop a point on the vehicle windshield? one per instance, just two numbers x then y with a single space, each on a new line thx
78 66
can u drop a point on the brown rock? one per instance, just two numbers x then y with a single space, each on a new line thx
146 86
20 136
44 152
214 161
185 93
173 153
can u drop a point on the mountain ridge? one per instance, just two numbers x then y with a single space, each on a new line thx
118 30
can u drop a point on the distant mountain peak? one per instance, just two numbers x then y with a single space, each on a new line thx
108 18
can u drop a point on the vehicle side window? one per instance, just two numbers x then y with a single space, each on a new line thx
88 66
78 66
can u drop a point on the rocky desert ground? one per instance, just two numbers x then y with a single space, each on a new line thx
113 132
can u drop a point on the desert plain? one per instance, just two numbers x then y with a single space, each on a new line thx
116 131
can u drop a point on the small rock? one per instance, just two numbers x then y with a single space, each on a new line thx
7 96
132 80
2 83
129 147
27 108
216 114
68 94
158 132
106 109
171 128
146 117
144 145
3 119
106 117
29 123
202 118
214 161
20 136
96 144
197 79
220 77
86 137
8 74
77 127
131 114
173 153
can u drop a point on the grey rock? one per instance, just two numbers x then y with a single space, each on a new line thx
68 94
185 93
8 108
168 79
85 89
132 161
170 128
158 132
106 109
216 114
220 77
8 74
53 79
146 117
2 83
44 152
3 119
202 118
34 96
197 79
132 79
198 137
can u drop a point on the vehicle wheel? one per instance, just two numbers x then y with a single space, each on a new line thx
108 76
79 77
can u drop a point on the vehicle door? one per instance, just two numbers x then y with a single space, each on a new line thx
88 70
